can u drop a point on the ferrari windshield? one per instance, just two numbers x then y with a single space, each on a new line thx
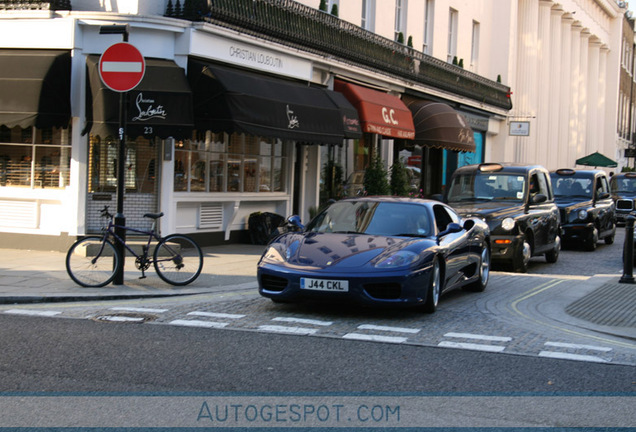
375 218
478 186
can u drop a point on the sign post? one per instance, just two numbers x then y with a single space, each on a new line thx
121 68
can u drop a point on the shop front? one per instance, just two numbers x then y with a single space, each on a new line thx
35 147
442 136
384 119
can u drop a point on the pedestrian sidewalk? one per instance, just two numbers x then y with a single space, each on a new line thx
599 303
29 276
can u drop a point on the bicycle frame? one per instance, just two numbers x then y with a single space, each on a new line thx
152 234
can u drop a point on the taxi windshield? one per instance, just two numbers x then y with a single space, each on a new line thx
624 185
572 186
487 187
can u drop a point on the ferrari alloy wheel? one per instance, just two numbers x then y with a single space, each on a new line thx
484 272
434 288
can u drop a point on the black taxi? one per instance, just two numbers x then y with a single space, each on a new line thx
586 206
517 203
623 189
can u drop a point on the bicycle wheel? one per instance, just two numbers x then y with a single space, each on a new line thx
90 264
178 259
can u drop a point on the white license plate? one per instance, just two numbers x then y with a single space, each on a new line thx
324 285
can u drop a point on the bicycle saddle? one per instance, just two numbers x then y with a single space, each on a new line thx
153 215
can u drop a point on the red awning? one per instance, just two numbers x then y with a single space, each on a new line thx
380 113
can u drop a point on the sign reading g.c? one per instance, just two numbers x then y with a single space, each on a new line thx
387 115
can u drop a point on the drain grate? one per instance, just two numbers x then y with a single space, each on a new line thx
133 318
611 305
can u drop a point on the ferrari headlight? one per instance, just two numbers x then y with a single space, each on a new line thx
398 259
273 254
581 214
508 224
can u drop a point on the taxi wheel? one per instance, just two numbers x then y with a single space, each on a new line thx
553 255
610 238
484 272
590 245
522 257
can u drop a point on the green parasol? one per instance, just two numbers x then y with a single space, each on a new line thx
597 160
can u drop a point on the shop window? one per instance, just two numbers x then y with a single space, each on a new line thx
229 163
140 165
34 158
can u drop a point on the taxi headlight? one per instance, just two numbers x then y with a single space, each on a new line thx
508 224
581 214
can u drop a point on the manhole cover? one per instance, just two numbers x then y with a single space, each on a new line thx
125 318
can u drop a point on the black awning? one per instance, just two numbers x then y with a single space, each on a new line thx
160 106
232 101
35 88
439 125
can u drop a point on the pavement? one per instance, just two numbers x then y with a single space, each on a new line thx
598 303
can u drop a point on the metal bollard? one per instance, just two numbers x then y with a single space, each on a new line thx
628 252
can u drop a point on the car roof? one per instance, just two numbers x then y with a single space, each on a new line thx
506 167
625 174
566 172
392 199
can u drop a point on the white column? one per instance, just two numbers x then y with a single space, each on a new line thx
611 145
575 97
565 90
541 152
554 86
584 88
527 74
593 141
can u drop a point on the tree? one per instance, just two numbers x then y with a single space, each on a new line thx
334 10
323 5
400 38
410 42
375 178
399 179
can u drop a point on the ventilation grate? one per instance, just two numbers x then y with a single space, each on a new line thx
211 216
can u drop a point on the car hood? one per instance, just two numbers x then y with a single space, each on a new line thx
343 251
570 204
489 210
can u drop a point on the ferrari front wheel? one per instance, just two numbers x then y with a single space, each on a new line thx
434 288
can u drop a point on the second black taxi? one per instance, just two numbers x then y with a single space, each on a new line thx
586 207
517 203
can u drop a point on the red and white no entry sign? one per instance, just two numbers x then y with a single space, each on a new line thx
121 67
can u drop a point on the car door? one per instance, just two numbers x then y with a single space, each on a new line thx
604 204
544 216
455 245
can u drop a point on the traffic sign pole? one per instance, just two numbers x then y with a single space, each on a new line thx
121 68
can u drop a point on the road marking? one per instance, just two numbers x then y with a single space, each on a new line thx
388 329
578 346
568 356
135 309
479 337
32 312
471 346
374 338
303 321
287 330
216 315
196 323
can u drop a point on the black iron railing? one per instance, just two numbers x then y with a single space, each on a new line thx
291 23
35 5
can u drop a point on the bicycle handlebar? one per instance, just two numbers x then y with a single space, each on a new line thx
105 214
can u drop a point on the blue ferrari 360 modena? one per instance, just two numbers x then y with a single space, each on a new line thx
377 250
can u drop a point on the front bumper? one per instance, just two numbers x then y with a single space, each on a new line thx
386 288
505 248
580 232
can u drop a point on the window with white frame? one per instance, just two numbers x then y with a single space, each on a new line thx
368 15
400 18
429 9
452 34
474 49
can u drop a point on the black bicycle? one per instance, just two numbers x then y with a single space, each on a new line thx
93 260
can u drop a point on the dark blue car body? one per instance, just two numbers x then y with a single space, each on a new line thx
377 251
